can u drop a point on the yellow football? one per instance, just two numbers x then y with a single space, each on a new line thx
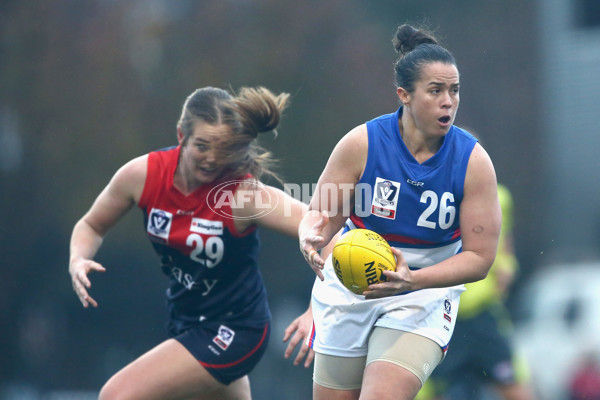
359 258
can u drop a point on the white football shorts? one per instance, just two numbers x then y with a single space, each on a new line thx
343 320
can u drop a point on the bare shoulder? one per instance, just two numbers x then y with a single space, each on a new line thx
136 166
480 203
480 170
349 157
356 140
129 180
123 190
480 153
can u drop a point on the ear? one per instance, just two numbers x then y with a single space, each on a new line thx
403 95
180 136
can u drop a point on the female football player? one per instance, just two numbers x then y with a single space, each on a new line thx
202 201
433 197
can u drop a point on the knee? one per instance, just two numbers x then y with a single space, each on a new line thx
112 390
107 393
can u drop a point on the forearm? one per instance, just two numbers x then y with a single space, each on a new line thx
309 220
85 241
461 268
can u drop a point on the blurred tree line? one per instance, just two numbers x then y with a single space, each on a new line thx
87 85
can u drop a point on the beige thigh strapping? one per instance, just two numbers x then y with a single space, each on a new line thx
415 353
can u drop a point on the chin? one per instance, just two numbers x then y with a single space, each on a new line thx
206 178
444 129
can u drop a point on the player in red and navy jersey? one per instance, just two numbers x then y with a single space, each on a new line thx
202 202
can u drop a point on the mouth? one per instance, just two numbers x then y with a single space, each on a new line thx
445 120
208 171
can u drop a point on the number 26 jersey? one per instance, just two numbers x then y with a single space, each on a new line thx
414 206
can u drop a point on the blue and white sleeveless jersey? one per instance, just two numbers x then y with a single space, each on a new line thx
415 207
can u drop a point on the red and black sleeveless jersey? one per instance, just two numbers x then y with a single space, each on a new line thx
213 269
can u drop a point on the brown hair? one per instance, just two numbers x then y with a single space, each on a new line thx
248 113
416 47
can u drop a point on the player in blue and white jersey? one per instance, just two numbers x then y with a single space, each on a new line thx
429 188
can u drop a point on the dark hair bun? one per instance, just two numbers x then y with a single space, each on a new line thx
408 38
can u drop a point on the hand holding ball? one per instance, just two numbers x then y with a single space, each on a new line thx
360 257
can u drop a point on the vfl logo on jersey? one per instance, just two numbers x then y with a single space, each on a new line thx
159 223
206 226
385 198
224 337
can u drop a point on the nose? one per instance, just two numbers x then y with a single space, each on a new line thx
211 156
447 100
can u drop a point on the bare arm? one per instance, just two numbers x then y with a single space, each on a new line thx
299 329
480 221
333 196
269 207
112 203
297 333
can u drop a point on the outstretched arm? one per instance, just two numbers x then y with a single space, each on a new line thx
333 197
113 202
299 330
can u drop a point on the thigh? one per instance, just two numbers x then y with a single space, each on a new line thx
338 373
323 393
402 360
166 372
238 390
386 381
207 361
227 351
414 353
337 378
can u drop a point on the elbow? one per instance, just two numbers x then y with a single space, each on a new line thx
482 274
478 274
486 265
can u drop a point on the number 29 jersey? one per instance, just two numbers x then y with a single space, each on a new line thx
213 269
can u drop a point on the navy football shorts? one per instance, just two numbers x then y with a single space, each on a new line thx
227 350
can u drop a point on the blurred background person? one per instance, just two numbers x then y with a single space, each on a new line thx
481 353
584 383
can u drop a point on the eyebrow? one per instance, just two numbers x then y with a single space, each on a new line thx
443 84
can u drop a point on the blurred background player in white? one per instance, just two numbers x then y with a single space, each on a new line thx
433 197
481 355
219 319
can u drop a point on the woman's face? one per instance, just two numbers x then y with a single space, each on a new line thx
434 102
202 157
